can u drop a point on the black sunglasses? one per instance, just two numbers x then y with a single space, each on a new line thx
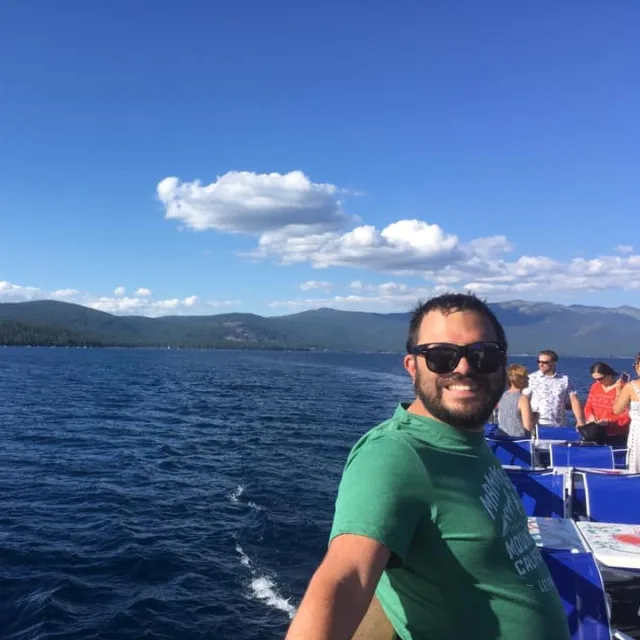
483 357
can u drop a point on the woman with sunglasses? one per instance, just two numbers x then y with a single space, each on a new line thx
612 429
515 418
629 398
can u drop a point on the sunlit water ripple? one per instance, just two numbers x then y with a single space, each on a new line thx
173 494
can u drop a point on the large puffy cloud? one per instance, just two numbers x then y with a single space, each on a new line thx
407 247
245 202
140 303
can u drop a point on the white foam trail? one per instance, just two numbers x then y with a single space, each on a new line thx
237 493
234 496
264 588
245 561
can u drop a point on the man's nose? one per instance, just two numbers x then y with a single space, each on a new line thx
463 367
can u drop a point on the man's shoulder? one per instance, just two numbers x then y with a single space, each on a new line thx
556 378
391 428
392 436
385 449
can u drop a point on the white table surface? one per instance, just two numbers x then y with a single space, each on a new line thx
614 545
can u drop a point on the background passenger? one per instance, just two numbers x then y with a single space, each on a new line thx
599 406
515 417
629 397
552 393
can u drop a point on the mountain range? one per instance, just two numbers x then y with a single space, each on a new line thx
574 330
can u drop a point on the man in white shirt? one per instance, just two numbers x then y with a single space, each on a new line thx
552 393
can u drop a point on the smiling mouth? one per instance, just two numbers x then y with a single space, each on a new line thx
462 387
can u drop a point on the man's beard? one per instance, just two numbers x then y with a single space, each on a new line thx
470 416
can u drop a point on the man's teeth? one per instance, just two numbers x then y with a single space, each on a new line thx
462 387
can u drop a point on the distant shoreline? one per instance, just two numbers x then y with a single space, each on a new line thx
571 331
191 348
280 350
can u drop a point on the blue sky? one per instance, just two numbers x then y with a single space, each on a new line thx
201 157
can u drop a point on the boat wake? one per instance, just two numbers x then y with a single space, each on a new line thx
237 493
264 588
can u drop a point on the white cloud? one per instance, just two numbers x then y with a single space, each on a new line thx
406 246
119 303
316 284
490 247
252 203
528 277
143 305
64 294
543 275
218 304
387 297
441 260
10 292
623 249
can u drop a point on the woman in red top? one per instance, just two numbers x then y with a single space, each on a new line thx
599 405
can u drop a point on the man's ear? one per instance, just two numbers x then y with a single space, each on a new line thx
410 365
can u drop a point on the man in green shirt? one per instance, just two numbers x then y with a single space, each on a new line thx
426 519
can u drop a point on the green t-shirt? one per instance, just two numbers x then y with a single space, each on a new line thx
463 564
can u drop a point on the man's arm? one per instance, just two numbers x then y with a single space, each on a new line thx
381 500
341 589
576 407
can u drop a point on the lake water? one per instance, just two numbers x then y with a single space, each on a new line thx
177 494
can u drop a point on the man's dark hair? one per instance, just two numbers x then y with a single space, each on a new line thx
548 352
449 303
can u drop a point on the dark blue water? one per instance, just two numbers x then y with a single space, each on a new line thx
175 494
